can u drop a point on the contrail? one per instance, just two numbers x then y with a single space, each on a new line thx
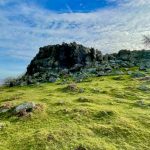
69 8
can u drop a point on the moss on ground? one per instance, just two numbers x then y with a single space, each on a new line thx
111 113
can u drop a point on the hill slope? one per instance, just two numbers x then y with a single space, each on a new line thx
99 113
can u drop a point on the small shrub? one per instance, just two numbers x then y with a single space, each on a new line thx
81 90
105 113
95 90
10 82
143 88
118 78
141 104
84 99
50 137
60 103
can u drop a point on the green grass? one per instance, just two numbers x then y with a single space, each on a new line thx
106 116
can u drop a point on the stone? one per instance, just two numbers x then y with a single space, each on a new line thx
137 75
76 67
52 79
4 110
72 87
64 72
140 103
27 107
108 68
5 107
119 72
129 72
81 90
92 70
101 73
143 88
147 78
142 68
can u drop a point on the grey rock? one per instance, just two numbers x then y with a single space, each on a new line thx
140 103
52 79
4 110
142 68
28 106
119 72
91 70
137 75
64 71
143 88
76 67
129 72
108 68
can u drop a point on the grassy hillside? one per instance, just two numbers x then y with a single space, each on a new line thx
102 113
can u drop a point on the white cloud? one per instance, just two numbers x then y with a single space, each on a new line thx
24 28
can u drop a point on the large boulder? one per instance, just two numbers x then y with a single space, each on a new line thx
65 56
25 107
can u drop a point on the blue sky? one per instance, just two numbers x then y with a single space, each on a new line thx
108 25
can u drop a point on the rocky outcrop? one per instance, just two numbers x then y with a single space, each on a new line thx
126 58
54 61
66 56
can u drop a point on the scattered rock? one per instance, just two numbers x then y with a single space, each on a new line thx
137 75
60 103
143 88
95 90
81 90
105 113
72 87
101 73
64 72
129 72
76 67
52 79
140 103
119 72
142 68
147 78
25 108
6 107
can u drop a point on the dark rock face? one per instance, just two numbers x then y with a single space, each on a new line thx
63 56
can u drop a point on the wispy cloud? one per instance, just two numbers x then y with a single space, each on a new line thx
25 27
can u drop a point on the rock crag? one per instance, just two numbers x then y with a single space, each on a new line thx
54 61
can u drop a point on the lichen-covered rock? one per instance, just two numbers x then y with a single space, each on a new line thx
52 79
6 107
61 57
137 75
27 107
